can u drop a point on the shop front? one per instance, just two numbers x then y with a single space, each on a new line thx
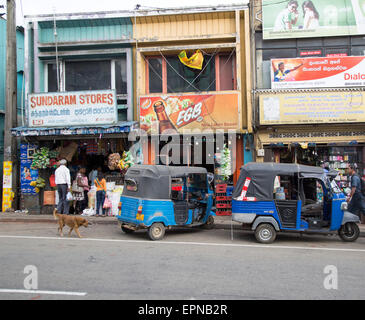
332 138
193 93
81 127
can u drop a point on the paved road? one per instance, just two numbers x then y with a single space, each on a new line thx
186 264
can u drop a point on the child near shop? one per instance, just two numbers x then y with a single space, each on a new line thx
100 184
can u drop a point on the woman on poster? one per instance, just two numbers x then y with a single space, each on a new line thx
311 15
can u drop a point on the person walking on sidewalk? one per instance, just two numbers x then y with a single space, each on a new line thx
356 199
100 184
63 182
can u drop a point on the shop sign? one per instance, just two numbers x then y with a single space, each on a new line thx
58 109
307 19
328 72
200 111
315 107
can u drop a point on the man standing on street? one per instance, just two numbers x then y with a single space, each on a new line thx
356 198
63 182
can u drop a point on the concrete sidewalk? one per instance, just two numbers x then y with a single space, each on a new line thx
220 222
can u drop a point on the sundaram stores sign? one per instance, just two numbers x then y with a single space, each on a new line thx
199 111
313 107
326 72
72 108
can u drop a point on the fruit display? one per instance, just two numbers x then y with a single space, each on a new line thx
126 161
38 184
42 158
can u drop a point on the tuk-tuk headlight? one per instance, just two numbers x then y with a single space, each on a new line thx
344 206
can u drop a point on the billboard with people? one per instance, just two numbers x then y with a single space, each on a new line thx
312 18
318 72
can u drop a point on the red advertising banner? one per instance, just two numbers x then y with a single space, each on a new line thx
316 72
200 111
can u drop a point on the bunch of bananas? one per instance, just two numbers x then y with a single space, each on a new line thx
38 184
126 161
41 159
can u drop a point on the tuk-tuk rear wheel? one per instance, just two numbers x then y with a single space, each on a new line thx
156 231
349 232
265 233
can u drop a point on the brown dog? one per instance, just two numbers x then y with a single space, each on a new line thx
73 222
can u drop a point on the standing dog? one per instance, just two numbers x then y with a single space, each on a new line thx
71 221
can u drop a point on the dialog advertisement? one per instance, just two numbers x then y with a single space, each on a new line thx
175 113
72 108
325 72
309 108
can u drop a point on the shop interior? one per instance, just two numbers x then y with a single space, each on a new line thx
111 156
337 157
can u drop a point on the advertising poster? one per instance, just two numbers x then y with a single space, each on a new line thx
319 72
72 108
212 111
303 18
27 174
312 108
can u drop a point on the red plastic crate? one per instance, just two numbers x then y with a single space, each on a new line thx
221 188
221 198
223 205
223 213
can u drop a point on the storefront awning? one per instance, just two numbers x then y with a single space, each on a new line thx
119 127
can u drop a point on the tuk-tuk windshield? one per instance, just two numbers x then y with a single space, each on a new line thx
198 181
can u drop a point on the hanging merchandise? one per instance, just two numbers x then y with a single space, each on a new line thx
44 158
195 61
226 163
126 161
113 161
38 184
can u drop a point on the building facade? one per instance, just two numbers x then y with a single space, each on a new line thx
308 85
203 101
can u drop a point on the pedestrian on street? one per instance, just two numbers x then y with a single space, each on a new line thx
356 198
63 182
100 184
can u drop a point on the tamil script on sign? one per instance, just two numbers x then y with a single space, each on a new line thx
72 108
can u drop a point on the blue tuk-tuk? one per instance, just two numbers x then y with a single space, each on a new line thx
276 197
156 197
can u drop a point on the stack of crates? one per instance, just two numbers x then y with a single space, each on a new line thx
223 199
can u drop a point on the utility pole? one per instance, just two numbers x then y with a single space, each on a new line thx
10 144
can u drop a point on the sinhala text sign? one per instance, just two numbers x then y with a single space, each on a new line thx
72 108
315 107
299 18
325 72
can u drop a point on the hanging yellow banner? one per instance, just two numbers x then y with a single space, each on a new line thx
8 194
195 61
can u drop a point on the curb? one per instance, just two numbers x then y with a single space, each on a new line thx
218 225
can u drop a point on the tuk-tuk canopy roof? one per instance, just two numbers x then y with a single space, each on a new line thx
262 177
160 170
282 168
154 181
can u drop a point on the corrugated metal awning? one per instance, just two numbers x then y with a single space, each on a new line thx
120 127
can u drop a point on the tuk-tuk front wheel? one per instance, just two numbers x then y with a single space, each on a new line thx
156 231
349 232
265 233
